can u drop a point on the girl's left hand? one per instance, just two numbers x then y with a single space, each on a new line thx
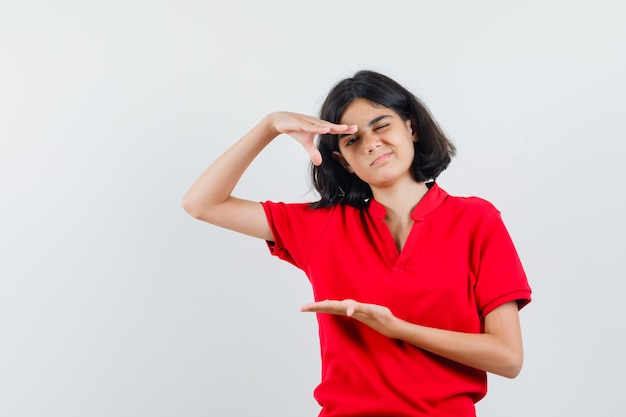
378 317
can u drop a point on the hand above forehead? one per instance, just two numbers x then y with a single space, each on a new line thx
304 128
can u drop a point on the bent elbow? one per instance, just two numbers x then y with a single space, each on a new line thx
191 207
512 366
200 210
512 372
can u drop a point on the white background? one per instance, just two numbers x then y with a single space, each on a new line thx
114 302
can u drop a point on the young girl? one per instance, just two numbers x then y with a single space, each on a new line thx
417 292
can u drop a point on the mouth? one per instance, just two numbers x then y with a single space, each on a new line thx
381 159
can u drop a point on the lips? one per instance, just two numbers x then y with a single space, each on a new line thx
381 159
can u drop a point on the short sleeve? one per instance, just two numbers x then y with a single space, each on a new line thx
501 277
296 228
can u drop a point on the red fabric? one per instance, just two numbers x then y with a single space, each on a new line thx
457 265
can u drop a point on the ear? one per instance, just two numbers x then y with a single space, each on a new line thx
410 125
339 157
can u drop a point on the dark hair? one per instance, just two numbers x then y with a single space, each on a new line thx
433 150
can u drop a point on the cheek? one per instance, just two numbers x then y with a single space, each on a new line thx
411 152
350 161
349 153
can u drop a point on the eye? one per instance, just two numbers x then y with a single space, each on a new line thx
351 140
381 126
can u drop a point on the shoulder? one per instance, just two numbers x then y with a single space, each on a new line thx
470 213
471 204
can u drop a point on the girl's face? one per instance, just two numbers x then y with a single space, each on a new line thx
381 151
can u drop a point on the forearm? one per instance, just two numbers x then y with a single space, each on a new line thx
217 182
480 350
499 352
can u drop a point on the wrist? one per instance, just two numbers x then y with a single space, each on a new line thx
394 328
269 125
263 132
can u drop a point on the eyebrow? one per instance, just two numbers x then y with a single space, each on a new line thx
370 124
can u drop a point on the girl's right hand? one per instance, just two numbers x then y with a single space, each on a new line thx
304 128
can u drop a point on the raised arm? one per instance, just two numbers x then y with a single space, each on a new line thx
209 198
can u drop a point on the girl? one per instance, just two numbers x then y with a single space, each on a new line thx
417 292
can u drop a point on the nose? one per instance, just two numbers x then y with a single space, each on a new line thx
371 142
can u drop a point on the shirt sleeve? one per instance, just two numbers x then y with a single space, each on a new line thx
501 277
296 228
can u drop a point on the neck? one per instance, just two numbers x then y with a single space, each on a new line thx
401 199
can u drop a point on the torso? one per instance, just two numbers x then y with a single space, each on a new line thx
426 269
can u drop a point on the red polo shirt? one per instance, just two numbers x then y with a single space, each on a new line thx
458 264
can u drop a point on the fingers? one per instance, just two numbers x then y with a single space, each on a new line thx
336 129
351 309
304 128
318 127
376 316
288 122
347 307
341 307
314 153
